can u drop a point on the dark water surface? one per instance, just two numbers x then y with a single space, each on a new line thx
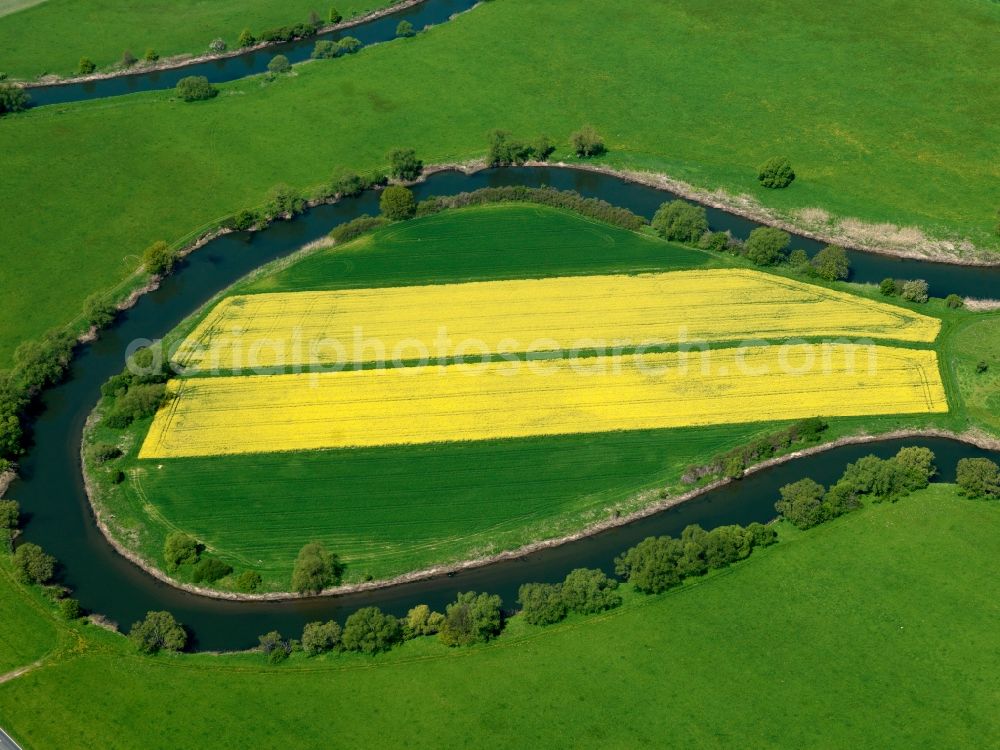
58 514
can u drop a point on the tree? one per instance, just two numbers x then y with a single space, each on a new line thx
158 632
209 570
347 184
245 219
246 39
13 98
325 49
397 203
159 258
279 64
320 637
180 549
349 45
10 514
195 89
472 618
542 148
274 646
887 287
369 630
831 263
86 66
587 590
248 580
421 620
335 16
766 246
681 221
316 568
775 173
503 150
33 565
841 498
725 545
954 301
404 29
404 164
802 503
151 55
651 565
128 59
915 290
284 201
916 464
978 477
69 609
99 311
542 603
716 241
586 142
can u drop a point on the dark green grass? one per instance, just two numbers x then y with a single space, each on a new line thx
884 121
52 36
877 630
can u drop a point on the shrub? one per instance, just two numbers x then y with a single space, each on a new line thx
151 55
472 618
180 549
586 142
138 402
762 535
651 565
681 221
99 453
33 565
799 260
284 201
348 184
158 632
335 16
802 503
982 366
775 173
69 609
195 89
716 241
39 363
542 603
404 164
978 477
159 258
13 98
245 219
404 29
316 568
542 148
503 151
248 581
279 64
766 246
369 630
217 45
887 287
831 263
325 49
99 311
954 301
349 45
246 39
128 59
397 203
86 66
915 291
725 545
421 620
209 570
588 590
356 227
320 637
274 647
10 514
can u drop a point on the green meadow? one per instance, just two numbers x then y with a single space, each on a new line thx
875 630
883 121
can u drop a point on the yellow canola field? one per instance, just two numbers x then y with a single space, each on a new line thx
569 313
395 406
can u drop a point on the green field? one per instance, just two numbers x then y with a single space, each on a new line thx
50 36
882 121
876 630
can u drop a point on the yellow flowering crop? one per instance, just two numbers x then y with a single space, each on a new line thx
227 415
581 312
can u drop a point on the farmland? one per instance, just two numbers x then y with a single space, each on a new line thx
271 330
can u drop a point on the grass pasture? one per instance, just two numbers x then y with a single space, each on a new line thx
833 638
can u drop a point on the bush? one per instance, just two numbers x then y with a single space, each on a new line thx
209 570
10 514
802 503
246 39
86 66
284 201
356 227
503 151
472 618
831 263
589 590
195 89
348 184
138 402
766 246
681 221
180 549
217 45
248 581
349 45
542 603
158 632
320 637
542 148
99 311
799 260
887 287
325 49
151 55
404 29
13 98
274 647
245 220
279 64
775 173
978 477
316 568
420 620
586 142
915 291
954 301
33 565
159 258
99 453
982 366
69 609
335 16
369 630
651 565
715 241
128 59
404 164
397 203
